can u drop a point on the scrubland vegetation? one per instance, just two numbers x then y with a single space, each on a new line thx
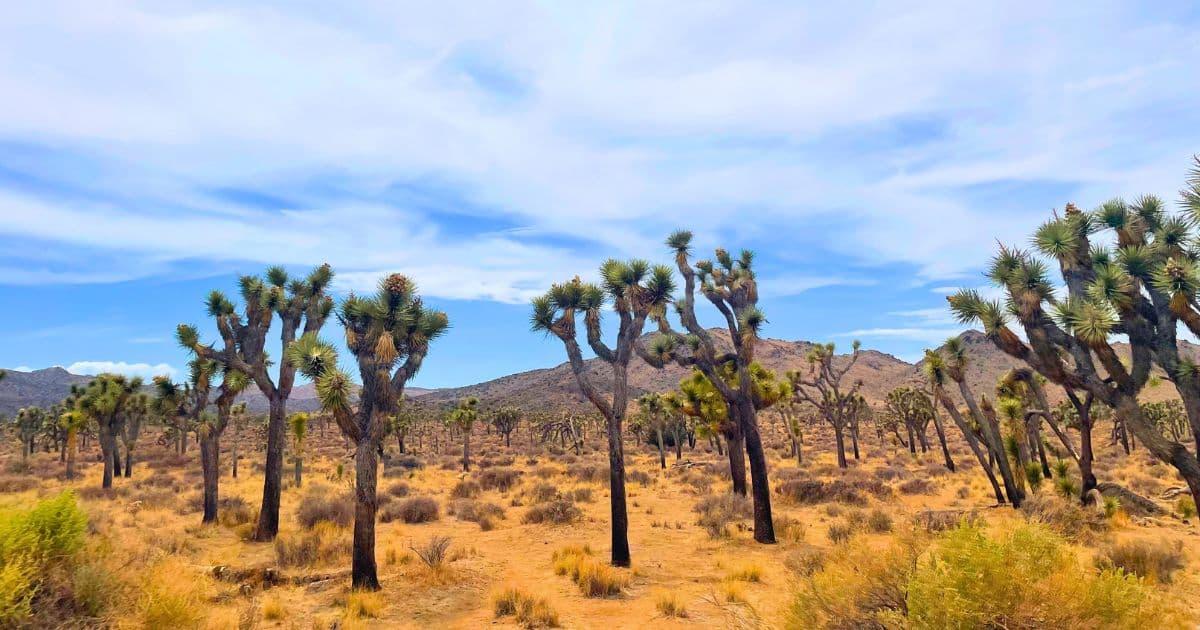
744 498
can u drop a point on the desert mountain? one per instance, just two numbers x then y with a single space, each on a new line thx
555 388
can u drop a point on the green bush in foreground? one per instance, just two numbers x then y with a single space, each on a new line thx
35 545
1026 577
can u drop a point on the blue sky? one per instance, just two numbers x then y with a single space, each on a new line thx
870 155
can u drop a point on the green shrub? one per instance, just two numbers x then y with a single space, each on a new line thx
1022 579
1111 506
1061 468
1067 487
1033 474
1186 506
37 547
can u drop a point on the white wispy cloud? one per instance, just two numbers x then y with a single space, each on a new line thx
144 370
602 127
925 335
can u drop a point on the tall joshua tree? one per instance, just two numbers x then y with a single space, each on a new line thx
137 410
637 291
302 307
388 336
1142 289
823 388
938 373
464 416
652 415
211 426
730 286
104 401
238 416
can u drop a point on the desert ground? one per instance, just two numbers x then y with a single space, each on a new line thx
148 562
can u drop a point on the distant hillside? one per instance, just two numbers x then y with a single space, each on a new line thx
39 388
555 388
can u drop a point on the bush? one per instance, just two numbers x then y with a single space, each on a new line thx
1186 506
364 605
502 479
324 504
747 573
414 510
434 552
398 489
806 560
560 511
640 477
530 611
589 473
10 484
1033 474
465 490
813 491
1065 516
1111 506
1023 579
38 549
856 586
324 544
542 492
717 512
169 602
879 522
840 533
918 485
670 606
595 579
474 511
1153 561
1067 487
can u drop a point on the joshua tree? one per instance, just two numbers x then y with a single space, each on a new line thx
823 389
298 427
71 422
915 411
29 422
104 401
401 423
938 374
793 423
1169 417
211 427
506 420
652 415
730 286
637 291
1143 289
302 307
137 410
388 336
463 417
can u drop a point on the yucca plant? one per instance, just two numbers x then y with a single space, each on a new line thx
302 306
1143 289
387 335
464 416
637 291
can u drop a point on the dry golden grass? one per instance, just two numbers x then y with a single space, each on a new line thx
149 563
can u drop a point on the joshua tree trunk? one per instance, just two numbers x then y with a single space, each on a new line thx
735 449
796 451
107 445
210 453
400 442
941 433
128 462
662 458
363 571
764 527
991 434
299 470
980 454
72 448
467 450
841 446
717 440
268 516
912 439
854 440
236 438
678 445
